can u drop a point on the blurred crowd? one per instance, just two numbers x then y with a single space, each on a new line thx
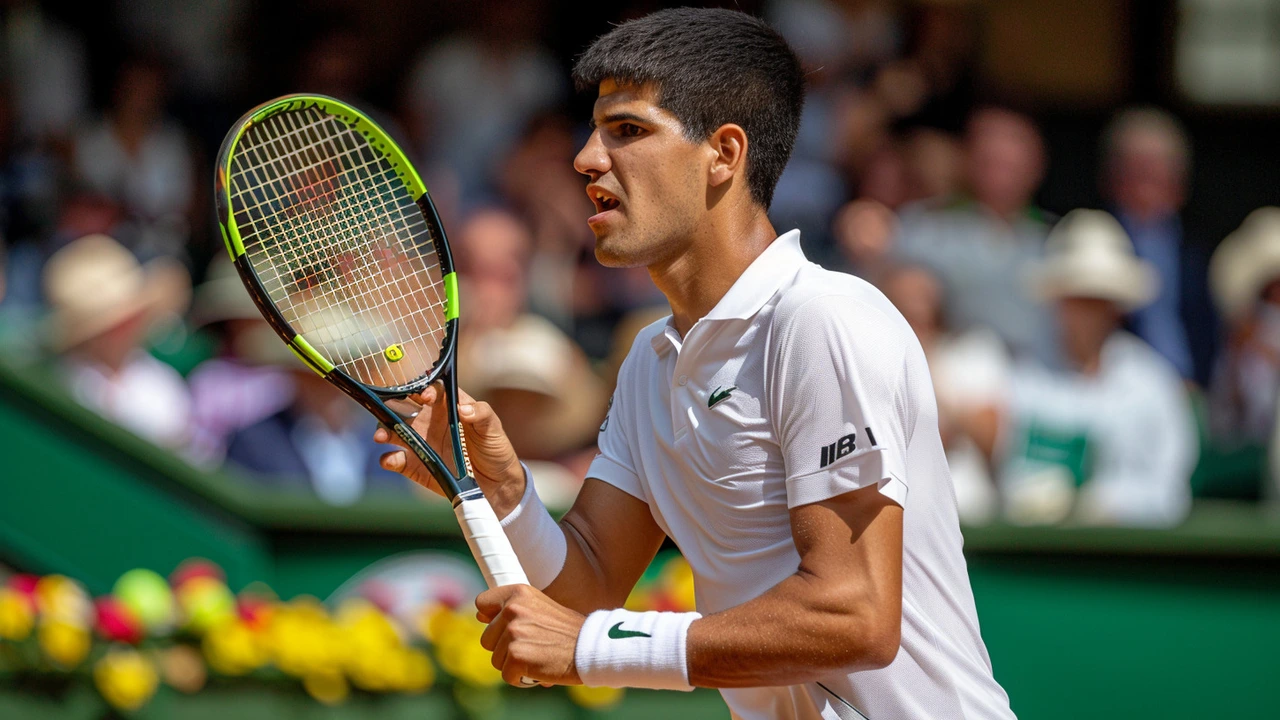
1068 352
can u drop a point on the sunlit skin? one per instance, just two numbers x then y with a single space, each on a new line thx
682 209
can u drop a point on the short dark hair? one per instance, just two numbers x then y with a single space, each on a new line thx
711 67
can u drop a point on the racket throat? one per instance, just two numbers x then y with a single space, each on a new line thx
467 495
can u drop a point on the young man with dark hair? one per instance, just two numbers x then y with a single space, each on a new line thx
771 427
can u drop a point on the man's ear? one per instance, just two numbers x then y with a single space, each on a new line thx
729 142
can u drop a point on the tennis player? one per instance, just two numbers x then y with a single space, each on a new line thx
780 427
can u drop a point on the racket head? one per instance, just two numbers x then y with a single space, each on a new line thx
337 240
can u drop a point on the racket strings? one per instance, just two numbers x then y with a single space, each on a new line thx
340 246
307 245
302 185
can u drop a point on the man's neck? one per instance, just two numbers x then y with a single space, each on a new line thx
695 280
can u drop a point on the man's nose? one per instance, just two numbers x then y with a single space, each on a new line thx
592 160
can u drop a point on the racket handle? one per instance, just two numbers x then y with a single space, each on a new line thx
490 547
489 543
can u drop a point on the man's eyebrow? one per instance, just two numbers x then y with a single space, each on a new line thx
616 117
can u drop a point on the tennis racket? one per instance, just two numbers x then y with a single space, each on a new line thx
335 237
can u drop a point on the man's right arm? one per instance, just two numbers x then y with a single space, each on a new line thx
611 538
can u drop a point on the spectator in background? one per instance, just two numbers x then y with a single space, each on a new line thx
45 64
1117 423
530 371
970 374
142 160
321 443
230 392
103 304
471 96
1245 275
979 244
1145 172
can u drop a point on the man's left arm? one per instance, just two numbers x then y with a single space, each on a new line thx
841 610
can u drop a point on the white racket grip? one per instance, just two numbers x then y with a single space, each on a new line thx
489 543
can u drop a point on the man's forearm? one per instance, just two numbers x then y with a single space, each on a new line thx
584 565
800 630
583 584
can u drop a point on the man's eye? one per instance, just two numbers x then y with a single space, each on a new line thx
629 130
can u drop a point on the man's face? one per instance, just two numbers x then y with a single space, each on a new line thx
647 180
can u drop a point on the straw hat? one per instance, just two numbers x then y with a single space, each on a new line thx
94 284
1089 255
1246 261
222 296
536 357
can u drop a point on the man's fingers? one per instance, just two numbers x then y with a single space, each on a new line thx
393 461
513 670
492 634
386 437
490 602
427 397
481 417
499 657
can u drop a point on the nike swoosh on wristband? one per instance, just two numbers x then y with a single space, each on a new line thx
617 633
719 395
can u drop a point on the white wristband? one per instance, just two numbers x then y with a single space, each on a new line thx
535 536
621 648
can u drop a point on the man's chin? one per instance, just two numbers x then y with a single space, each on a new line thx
609 254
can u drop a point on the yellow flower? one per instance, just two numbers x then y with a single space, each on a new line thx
205 602
460 653
329 688
595 698
126 679
303 641
419 673
433 620
63 643
61 598
678 577
233 648
16 616
373 643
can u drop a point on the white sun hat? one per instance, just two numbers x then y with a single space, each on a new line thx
1246 261
1089 255
94 283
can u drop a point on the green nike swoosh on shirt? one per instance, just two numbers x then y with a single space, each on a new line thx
617 633
719 395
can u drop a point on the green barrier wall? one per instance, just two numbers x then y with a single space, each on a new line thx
1080 622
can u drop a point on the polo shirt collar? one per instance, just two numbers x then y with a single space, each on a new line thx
762 278
753 288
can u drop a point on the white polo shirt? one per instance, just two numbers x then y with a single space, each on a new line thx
801 385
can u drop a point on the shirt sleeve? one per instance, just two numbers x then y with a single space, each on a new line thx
839 401
614 464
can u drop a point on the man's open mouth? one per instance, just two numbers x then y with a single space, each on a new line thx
604 201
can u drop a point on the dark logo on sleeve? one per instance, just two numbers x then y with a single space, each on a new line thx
842 447
608 410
